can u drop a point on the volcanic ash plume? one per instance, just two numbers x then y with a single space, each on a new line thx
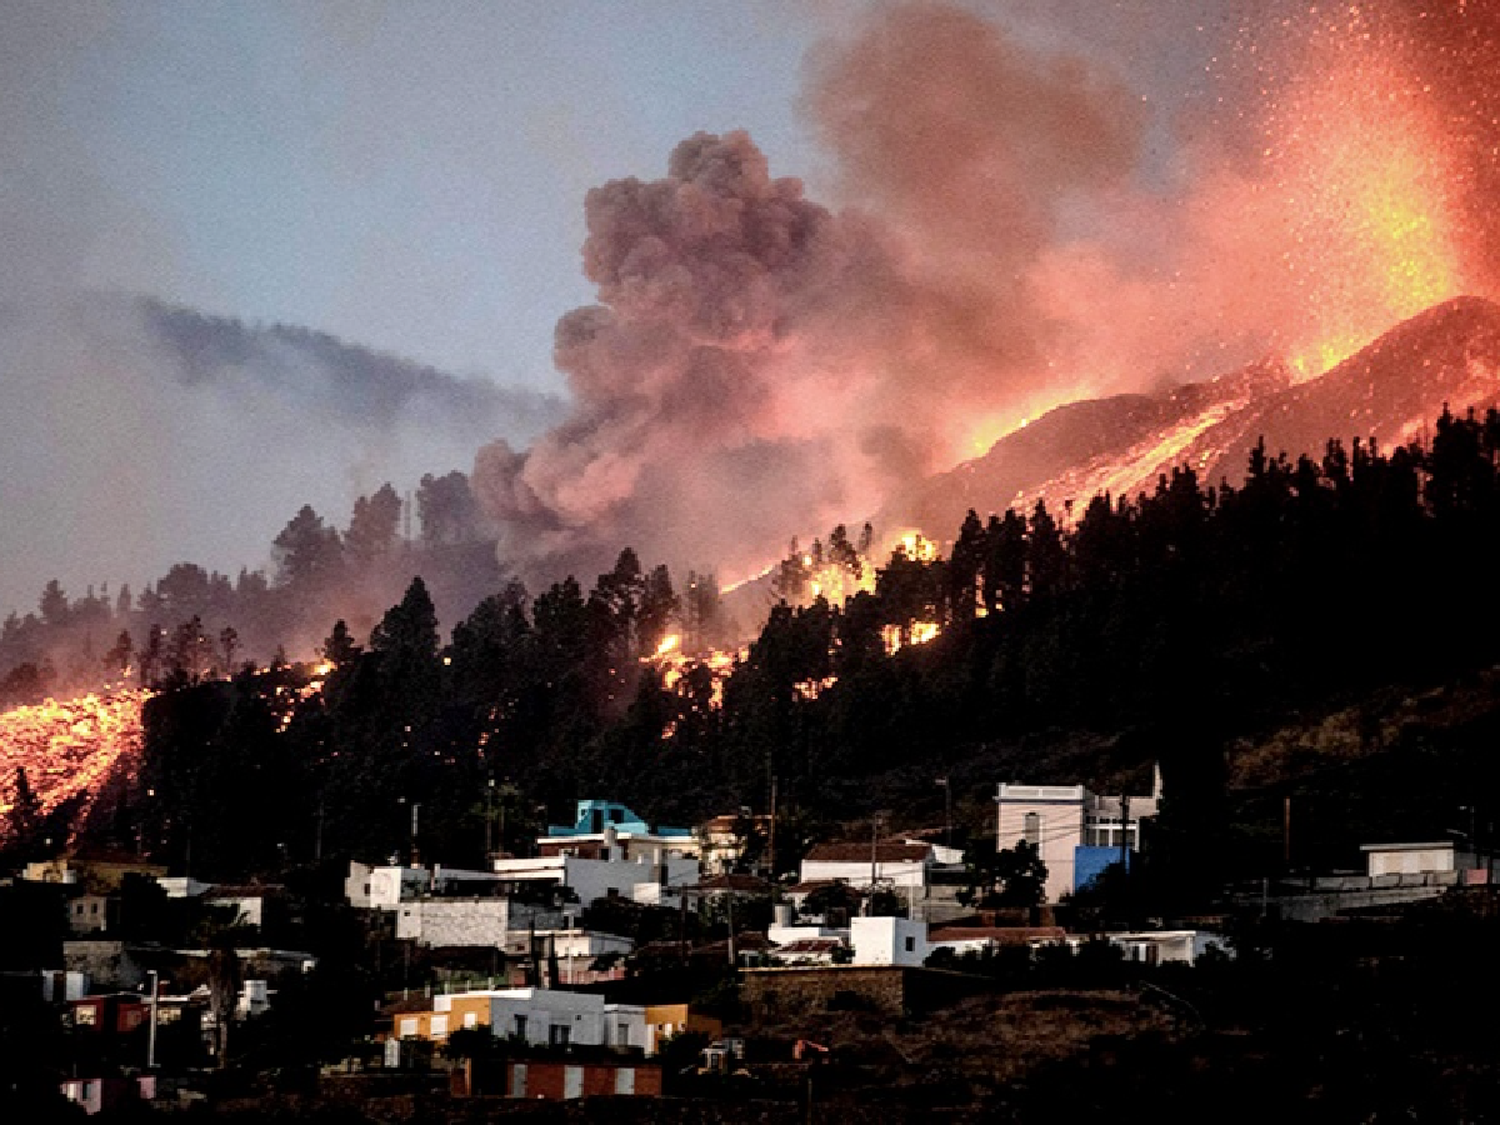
761 366
758 365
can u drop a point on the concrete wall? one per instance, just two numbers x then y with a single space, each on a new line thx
470 922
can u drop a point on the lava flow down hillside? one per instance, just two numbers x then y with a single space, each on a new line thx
70 751
1389 393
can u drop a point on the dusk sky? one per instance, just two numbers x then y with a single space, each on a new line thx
411 177
407 176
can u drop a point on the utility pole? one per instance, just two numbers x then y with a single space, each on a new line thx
771 842
947 811
1125 831
151 1033
874 863
732 959
489 820
1286 832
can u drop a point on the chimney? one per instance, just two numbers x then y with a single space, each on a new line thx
611 842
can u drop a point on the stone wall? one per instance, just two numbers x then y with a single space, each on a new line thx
776 993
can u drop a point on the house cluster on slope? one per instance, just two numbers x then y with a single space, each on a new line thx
519 960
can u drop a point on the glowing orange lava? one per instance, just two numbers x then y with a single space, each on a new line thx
69 749
1364 180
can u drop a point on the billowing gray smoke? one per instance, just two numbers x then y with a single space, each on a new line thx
719 288
760 366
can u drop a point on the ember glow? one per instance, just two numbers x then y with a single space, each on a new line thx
69 749
1360 161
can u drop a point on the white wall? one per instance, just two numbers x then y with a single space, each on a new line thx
589 1020
251 908
889 941
596 878
909 873
1410 860
391 886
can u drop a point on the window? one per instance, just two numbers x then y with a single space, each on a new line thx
559 1034
408 1028
520 1027
471 1019
439 1027
85 1015
911 945
1033 828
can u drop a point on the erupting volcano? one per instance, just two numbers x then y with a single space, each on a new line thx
1001 245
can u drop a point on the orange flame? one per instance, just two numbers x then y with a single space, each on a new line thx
1365 180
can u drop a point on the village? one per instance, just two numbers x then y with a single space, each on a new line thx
561 975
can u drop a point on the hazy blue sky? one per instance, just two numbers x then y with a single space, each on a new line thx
408 175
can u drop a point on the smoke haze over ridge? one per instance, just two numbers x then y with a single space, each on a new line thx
998 235
141 435
1073 200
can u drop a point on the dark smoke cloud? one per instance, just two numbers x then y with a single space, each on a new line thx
758 364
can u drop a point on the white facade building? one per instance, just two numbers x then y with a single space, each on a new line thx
642 880
1409 859
385 888
1060 819
889 941
898 866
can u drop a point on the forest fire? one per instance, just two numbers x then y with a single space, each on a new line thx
69 749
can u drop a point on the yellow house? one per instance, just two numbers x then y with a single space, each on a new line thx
666 1020
453 1013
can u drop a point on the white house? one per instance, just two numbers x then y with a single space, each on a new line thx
1410 859
385 888
1155 947
575 950
644 880
889 941
900 867
1077 832
537 1016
